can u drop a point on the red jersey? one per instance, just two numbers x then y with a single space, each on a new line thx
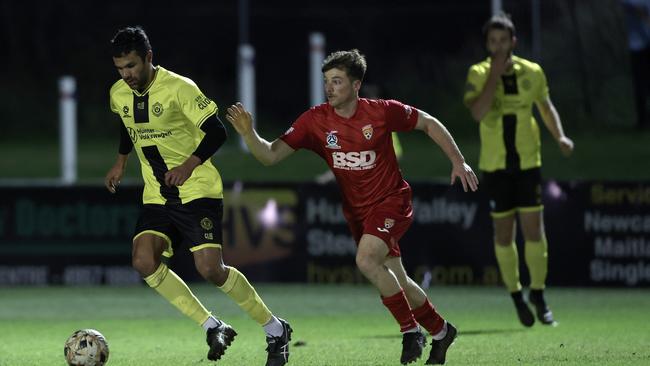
358 150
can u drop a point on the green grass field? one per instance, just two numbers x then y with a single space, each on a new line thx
339 325
599 155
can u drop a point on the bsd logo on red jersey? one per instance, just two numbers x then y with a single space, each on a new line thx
354 160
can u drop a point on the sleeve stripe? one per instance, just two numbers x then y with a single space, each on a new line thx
206 117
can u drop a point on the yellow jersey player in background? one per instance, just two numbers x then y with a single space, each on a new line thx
500 92
175 130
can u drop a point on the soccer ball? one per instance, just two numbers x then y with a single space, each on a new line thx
86 347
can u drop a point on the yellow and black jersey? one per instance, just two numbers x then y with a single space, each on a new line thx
509 133
164 124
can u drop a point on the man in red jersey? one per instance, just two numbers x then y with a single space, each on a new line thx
353 135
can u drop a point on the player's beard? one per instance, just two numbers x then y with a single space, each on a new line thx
142 80
134 84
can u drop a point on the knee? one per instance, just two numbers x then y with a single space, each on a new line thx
503 238
145 266
533 232
213 273
366 264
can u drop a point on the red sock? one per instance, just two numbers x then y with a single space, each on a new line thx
399 307
427 316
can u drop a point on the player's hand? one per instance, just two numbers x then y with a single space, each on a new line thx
240 118
466 175
178 175
566 145
500 63
113 177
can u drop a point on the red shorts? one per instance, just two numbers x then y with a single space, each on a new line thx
388 220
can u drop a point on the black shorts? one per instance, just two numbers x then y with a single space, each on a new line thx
511 191
196 224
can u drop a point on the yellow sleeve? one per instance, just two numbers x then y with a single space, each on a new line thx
542 91
195 106
114 107
476 77
397 146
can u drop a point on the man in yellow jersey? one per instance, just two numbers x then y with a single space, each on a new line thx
175 130
500 92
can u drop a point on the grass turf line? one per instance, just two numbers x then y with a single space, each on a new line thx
340 325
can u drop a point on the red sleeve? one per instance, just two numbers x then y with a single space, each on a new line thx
297 136
400 117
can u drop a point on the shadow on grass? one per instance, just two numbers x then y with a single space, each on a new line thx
461 333
489 331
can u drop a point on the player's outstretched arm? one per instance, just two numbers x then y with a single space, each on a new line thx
268 153
554 124
439 134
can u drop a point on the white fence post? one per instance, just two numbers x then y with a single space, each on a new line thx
246 81
496 6
68 129
316 57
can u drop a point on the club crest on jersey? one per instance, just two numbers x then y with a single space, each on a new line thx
367 131
332 140
157 109
388 223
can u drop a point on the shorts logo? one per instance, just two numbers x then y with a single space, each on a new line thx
367 131
388 223
206 223
383 230
332 140
157 109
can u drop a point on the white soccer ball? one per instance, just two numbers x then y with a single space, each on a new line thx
86 347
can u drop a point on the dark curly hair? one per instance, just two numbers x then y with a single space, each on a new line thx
130 39
352 62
